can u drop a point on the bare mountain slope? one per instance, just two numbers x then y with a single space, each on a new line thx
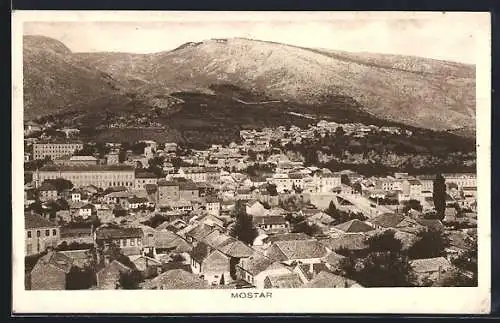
55 80
416 91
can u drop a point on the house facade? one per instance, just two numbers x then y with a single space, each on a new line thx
39 234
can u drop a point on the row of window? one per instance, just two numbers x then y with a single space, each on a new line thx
130 242
39 233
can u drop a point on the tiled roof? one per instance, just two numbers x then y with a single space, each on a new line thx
199 232
57 260
301 249
35 221
47 186
216 239
118 233
199 252
177 279
291 280
287 237
355 241
269 219
169 240
387 220
89 168
164 182
316 269
236 248
354 226
328 280
256 264
429 264
431 223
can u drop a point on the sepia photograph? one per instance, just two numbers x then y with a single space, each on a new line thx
251 161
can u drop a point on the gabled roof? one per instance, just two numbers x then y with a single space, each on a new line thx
47 186
57 260
328 280
387 220
431 223
301 249
354 226
356 241
199 232
269 219
236 249
166 239
256 264
216 239
177 279
118 233
316 268
429 264
287 236
199 252
291 280
35 221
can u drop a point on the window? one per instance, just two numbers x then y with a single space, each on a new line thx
47 233
38 233
54 232
124 241
132 242
138 241
29 234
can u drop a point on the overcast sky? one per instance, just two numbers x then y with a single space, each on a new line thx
441 36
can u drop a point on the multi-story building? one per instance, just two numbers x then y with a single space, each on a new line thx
101 176
389 184
168 191
411 190
113 158
77 161
40 234
143 179
196 174
461 180
427 182
55 150
47 191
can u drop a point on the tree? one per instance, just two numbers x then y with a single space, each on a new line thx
271 189
61 184
344 179
431 244
243 229
36 207
439 196
252 155
130 279
332 210
339 132
122 155
222 282
412 205
385 241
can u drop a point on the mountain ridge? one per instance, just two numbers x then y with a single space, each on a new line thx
421 92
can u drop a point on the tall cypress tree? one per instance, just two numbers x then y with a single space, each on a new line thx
243 229
439 195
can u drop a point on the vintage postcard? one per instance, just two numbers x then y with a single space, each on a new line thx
251 162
